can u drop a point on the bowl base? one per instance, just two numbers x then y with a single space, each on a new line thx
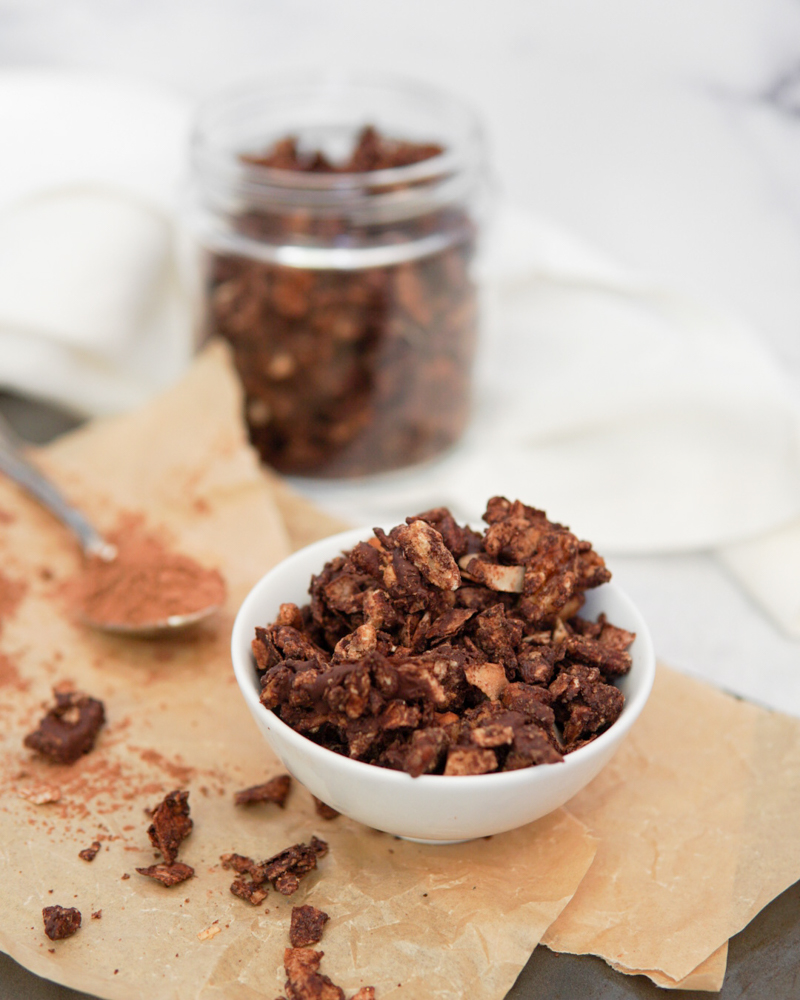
442 843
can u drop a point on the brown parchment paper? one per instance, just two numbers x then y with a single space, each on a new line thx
698 818
709 975
305 523
414 921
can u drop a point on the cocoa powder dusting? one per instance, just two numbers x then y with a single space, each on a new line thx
11 593
9 675
146 582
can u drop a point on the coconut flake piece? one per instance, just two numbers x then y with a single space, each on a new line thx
488 677
506 579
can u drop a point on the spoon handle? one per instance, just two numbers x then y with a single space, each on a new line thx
29 478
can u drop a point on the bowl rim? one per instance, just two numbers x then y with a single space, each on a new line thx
247 679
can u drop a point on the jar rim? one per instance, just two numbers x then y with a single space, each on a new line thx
219 164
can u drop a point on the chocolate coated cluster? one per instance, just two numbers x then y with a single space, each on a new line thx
283 870
69 729
171 825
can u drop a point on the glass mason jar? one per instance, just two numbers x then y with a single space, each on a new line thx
346 292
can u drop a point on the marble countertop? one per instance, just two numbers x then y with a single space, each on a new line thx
667 135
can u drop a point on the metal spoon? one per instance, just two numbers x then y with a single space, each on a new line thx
16 467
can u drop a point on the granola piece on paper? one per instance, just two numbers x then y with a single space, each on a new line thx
307 925
275 790
69 729
168 874
171 824
61 922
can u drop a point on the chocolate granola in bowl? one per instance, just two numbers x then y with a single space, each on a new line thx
432 652
433 649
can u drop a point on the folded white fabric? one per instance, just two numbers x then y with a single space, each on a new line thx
92 313
768 568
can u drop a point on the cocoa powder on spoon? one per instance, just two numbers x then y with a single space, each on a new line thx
145 583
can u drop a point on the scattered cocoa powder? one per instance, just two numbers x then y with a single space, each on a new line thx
9 675
146 583
11 593
95 781
181 773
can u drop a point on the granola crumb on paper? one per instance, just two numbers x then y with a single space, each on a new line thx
283 870
251 892
61 922
209 932
168 875
238 863
171 824
303 980
275 790
40 795
307 925
251 884
69 729
90 853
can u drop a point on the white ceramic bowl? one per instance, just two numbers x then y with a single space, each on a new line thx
431 808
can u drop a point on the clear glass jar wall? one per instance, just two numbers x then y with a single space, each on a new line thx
346 292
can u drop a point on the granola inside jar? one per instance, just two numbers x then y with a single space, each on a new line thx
338 222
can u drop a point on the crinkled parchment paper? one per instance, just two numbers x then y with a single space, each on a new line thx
698 819
445 922
709 975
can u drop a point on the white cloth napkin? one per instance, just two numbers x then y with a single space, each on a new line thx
768 568
92 313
